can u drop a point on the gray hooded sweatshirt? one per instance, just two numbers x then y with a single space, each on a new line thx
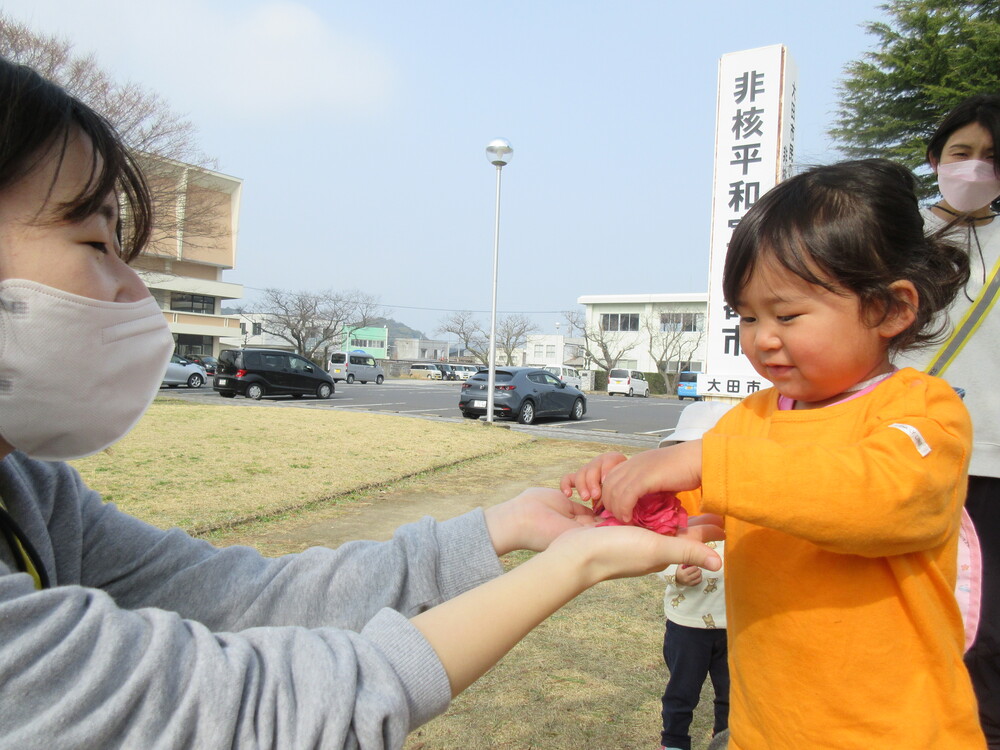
152 639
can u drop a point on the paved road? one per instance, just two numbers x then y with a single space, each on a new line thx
610 419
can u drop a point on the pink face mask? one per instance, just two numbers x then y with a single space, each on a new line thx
968 185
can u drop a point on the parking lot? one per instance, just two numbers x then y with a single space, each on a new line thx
635 421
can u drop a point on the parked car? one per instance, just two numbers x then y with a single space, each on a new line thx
522 393
207 361
568 375
465 371
182 371
628 383
447 373
426 370
256 373
355 365
687 386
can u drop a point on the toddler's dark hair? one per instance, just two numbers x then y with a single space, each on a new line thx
37 116
852 228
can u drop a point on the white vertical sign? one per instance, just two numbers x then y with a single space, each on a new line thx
754 150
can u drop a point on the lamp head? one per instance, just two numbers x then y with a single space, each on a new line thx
499 152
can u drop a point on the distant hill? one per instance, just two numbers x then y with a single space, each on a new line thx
398 330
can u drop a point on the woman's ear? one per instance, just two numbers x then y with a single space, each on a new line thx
933 162
903 311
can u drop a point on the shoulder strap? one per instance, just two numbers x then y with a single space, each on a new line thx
22 549
968 325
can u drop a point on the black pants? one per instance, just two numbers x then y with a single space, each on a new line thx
692 654
983 659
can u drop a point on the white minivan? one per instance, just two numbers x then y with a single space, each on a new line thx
425 370
627 383
351 366
568 375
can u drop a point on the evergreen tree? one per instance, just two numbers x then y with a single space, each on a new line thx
931 55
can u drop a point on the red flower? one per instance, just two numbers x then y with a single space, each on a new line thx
661 512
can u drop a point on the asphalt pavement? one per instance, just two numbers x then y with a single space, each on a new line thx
618 420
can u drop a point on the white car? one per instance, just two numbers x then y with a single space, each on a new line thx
182 372
425 370
628 383
566 374
465 371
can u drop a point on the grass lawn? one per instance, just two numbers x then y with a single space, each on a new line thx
204 467
589 678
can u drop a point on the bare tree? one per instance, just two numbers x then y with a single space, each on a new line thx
313 322
469 331
512 334
603 347
673 339
164 142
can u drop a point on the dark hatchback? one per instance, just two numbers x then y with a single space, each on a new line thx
522 393
256 373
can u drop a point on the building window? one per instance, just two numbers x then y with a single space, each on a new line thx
539 348
258 329
190 345
195 303
367 343
682 322
620 322
550 350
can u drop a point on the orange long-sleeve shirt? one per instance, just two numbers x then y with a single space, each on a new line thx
842 527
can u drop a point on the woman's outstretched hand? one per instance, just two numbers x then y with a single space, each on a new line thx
533 519
607 552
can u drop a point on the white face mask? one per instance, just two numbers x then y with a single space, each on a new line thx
968 185
76 373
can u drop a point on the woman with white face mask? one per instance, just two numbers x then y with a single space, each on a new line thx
114 633
963 154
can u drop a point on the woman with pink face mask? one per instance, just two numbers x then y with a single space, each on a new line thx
962 152
114 633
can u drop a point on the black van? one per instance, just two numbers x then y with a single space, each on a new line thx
255 373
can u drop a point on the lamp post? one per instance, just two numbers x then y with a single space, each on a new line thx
499 152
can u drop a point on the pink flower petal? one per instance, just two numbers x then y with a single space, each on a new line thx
661 512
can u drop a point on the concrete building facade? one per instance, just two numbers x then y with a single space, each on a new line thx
639 329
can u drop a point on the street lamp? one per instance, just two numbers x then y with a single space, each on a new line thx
499 152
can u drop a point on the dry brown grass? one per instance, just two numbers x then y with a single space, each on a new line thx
201 467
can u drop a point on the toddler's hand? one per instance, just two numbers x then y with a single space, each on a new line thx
589 479
688 575
671 469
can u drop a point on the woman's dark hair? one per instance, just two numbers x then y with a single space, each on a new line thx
983 109
851 228
37 117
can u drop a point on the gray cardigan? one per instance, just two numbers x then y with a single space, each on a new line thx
152 639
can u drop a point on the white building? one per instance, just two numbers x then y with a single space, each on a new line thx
544 349
252 334
419 349
638 329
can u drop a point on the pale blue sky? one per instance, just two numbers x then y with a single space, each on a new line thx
359 130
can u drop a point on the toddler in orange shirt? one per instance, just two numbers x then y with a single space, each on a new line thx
842 485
